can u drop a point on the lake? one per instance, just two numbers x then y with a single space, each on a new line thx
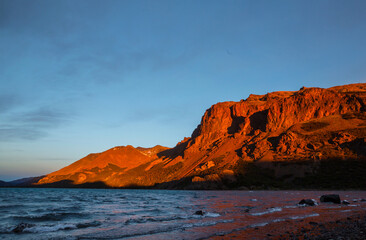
153 214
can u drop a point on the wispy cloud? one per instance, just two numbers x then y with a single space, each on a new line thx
43 116
10 133
30 125
112 65
80 50
8 102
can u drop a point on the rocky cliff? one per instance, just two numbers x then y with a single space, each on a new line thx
302 138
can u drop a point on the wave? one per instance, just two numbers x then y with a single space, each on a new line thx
154 219
205 224
49 228
144 211
146 219
138 231
126 233
291 206
270 210
34 228
209 214
304 216
88 224
9 206
347 210
56 216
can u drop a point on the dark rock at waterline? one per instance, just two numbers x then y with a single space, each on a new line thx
21 226
200 212
308 202
345 202
334 198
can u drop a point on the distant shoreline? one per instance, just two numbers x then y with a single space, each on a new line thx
177 189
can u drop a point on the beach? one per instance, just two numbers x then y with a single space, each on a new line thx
30 213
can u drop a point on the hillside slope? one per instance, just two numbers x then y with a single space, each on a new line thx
313 137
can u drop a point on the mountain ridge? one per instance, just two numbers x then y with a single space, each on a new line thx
284 136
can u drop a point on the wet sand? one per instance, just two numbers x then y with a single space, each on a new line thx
332 225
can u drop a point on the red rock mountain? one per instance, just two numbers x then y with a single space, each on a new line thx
305 138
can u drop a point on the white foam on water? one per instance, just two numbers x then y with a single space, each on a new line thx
279 220
270 210
291 206
334 207
205 224
304 216
348 210
259 224
56 227
212 214
49 228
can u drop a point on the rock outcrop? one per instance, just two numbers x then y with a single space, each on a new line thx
333 198
285 136
307 202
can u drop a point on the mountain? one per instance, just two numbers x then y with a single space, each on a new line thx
109 167
3 184
311 138
23 182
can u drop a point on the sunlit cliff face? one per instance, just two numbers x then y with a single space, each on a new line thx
106 166
309 125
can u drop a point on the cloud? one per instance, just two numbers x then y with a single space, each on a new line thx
169 114
76 47
8 101
30 125
43 116
109 65
10 133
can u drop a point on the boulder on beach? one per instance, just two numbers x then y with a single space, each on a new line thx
308 202
334 198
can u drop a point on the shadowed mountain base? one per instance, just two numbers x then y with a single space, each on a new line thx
324 174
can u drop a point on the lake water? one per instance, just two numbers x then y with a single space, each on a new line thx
152 214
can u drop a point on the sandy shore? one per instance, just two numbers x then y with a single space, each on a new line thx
336 226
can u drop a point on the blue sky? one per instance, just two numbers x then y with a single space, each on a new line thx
84 76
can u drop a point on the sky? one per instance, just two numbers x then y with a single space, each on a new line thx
78 77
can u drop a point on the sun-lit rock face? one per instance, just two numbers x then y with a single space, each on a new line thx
274 112
105 166
312 124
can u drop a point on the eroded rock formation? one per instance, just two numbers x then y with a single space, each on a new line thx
289 134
